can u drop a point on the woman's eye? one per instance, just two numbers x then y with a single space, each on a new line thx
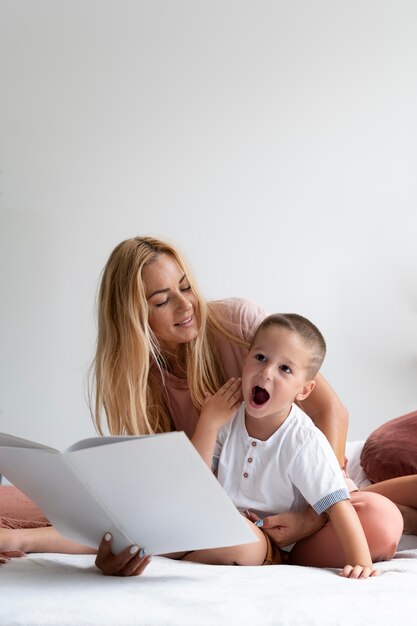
162 303
285 369
186 288
260 357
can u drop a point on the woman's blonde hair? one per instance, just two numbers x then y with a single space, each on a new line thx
127 370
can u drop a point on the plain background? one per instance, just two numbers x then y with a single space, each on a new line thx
275 142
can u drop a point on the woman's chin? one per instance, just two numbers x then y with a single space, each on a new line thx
187 334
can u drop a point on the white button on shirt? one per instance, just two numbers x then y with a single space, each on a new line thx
295 466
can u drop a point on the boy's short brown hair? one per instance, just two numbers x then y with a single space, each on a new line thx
306 331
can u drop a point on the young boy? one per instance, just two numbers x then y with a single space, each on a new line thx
271 458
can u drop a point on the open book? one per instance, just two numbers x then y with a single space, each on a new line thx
154 491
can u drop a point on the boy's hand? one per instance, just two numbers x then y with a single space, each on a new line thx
220 407
358 571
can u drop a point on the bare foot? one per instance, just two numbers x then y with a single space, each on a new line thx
9 547
410 519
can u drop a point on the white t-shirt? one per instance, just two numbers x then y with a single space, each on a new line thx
295 466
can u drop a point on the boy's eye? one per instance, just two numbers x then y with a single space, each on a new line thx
260 357
285 369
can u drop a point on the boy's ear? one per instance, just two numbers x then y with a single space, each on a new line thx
306 390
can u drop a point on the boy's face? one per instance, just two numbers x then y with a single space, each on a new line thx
275 373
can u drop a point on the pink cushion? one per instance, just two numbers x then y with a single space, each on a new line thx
391 450
18 511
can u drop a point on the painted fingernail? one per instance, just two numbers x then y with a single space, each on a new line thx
142 553
134 549
259 522
107 537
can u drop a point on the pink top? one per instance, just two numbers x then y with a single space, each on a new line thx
241 318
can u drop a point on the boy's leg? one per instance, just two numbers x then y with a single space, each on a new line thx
244 554
381 521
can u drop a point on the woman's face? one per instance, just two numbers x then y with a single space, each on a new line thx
172 304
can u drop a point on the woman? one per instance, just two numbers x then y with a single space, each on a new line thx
160 349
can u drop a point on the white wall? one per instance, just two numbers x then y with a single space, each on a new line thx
274 142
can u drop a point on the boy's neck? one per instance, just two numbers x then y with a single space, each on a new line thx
263 428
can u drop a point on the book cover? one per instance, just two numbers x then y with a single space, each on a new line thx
154 491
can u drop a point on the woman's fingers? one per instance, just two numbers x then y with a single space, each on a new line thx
232 390
136 565
230 386
130 562
142 566
251 515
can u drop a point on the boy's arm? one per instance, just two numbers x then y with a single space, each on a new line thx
349 530
217 410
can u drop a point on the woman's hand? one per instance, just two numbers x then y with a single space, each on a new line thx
216 411
221 406
130 562
287 528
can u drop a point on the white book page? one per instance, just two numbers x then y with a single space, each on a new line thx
162 494
153 491
18 442
46 477
94 442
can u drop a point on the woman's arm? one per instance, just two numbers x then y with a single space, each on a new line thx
329 415
204 440
287 528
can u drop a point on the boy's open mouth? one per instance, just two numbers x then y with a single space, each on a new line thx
259 395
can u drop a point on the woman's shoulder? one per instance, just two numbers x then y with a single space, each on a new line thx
239 316
237 309
233 322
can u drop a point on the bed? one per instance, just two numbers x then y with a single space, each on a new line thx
43 589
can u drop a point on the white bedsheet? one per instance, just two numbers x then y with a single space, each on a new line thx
61 590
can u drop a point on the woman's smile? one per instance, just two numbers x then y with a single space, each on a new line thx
187 322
